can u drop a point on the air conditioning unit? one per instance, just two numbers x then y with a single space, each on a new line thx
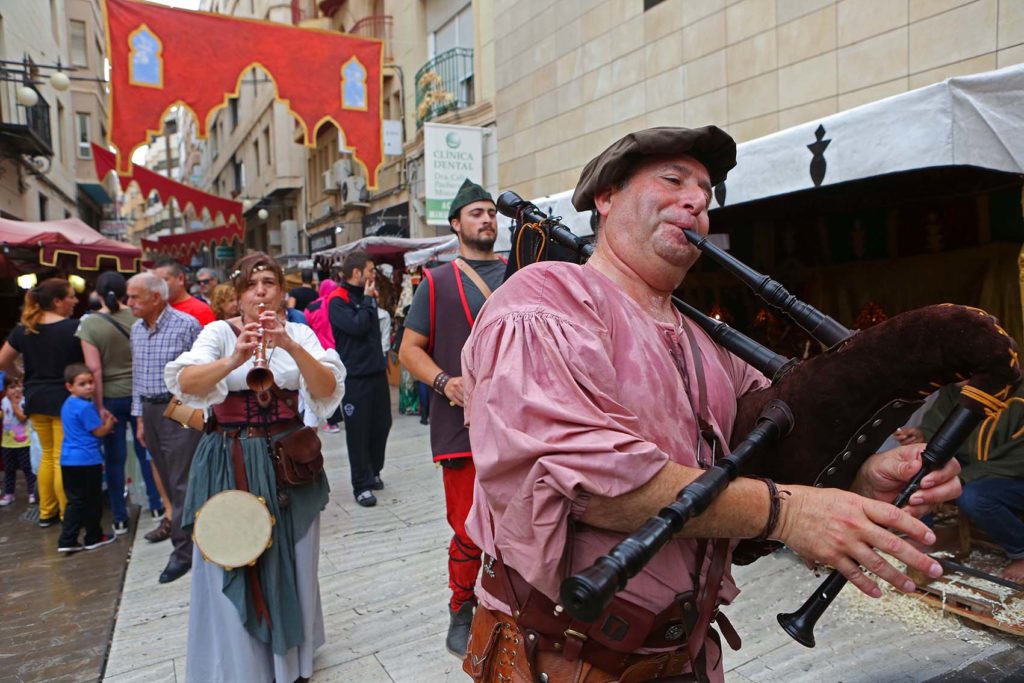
342 169
354 190
330 187
290 237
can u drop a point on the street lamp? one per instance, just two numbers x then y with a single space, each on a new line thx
26 96
59 80
26 73
263 214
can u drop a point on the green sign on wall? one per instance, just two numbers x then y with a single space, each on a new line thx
224 253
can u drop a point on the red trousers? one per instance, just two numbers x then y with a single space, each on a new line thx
463 555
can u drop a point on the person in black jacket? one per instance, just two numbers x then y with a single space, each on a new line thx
367 403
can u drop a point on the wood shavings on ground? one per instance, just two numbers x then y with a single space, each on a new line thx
919 616
908 610
1012 614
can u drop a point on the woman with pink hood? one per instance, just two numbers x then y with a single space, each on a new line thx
316 317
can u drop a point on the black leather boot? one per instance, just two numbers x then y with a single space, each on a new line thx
458 630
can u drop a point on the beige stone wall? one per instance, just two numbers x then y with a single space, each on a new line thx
571 77
39 31
87 96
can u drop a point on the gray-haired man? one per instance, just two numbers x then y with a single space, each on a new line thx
207 279
160 335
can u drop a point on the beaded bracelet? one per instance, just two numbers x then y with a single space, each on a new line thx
440 381
774 508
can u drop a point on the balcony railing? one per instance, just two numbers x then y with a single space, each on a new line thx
444 83
303 10
25 129
375 26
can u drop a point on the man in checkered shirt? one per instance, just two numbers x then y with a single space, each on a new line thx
160 335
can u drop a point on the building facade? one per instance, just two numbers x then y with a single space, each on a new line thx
450 41
38 154
86 48
571 77
250 154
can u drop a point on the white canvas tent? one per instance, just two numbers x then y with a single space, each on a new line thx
386 248
964 121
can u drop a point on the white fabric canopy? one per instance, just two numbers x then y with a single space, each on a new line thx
964 121
420 256
382 247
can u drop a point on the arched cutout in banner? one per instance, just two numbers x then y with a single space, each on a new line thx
306 67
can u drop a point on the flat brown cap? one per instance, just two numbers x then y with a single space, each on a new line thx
709 145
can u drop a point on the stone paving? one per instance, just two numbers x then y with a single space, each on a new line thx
384 589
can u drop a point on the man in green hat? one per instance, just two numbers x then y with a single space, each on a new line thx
439 322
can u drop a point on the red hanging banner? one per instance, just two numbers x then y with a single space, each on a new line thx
161 57
187 244
229 211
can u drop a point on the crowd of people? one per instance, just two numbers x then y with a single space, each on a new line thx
567 406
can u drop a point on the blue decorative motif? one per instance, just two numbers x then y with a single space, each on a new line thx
146 64
353 85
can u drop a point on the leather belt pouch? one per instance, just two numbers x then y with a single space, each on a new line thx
191 418
298 458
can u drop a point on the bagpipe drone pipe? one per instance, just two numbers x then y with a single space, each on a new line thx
819 420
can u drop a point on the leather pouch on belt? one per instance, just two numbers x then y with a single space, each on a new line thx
622 627
495 651
483 636
298 458
191 418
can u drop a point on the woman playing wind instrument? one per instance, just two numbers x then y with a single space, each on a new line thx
263 622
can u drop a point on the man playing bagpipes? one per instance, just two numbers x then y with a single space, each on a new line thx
591 402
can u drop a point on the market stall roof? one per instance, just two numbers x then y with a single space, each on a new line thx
385 249
185 245
71 237
964 121
420 257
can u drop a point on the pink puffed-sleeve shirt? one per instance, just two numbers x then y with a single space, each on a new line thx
574 390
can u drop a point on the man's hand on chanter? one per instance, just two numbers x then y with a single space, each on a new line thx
884 475
847 531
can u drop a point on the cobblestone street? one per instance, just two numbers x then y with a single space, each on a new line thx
384 589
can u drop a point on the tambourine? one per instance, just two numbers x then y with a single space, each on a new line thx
232 529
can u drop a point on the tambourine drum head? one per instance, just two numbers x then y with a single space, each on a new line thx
233 529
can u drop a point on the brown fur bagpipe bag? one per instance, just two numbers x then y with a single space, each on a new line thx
849 400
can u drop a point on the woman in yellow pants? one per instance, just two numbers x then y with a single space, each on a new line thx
45 340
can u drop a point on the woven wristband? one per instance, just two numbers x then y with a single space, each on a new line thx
774 508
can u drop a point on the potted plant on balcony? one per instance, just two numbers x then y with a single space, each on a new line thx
435 99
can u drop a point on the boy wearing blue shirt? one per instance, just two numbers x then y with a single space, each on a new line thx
81 462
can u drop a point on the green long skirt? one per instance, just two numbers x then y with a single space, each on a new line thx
211 473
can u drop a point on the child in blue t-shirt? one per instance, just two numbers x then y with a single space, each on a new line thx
81 462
